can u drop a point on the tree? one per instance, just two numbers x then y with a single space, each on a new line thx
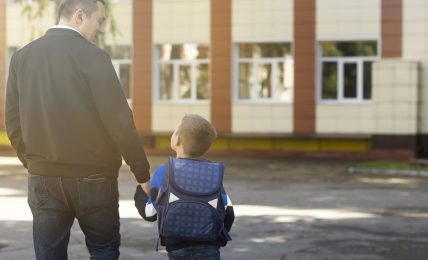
35 10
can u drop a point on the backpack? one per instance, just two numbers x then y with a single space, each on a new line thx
190 202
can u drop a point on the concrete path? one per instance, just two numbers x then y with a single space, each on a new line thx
285 209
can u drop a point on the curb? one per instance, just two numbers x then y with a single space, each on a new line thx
396 172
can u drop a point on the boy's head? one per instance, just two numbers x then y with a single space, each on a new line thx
193 136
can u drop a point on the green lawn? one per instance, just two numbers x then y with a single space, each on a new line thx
399 165
4 140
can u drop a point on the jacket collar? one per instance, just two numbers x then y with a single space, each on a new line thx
62 31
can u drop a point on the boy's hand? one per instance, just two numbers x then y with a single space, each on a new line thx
145 187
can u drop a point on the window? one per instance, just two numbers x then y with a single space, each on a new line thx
121 59
346 70
183 72
265 72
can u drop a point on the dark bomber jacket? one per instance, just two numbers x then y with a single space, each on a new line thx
66 114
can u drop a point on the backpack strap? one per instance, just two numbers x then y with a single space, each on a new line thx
161 193
165 185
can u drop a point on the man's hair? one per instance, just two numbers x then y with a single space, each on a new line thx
68 7
196 134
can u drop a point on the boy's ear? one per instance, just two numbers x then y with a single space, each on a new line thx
178 142
175 141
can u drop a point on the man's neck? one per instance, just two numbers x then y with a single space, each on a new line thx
68 24
66 27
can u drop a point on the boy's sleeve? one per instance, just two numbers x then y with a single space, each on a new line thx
230 214
144 203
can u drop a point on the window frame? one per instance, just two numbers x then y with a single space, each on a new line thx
116 65
255 63
359 60
176 78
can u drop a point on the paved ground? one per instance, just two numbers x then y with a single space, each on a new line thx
286 209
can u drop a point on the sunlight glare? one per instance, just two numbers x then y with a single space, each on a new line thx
331 214
10 192
9 160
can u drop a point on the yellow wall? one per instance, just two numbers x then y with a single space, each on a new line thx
280 144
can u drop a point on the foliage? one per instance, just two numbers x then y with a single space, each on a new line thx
35 10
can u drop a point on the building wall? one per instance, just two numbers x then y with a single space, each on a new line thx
19 32
347 20
350 19
415 47
181 21
399 105
221 65
123 13
345 119
3 48
262 118
142 67
395 93
167 116
262 20
178 22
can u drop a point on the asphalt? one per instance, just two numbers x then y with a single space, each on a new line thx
285 209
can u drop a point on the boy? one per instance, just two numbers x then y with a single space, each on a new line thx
190 140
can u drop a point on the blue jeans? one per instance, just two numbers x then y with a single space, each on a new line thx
196 253
56 201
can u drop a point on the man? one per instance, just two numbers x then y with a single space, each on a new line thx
69 122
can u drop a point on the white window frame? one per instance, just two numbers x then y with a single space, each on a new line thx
116 64
255 63
176 81
359 60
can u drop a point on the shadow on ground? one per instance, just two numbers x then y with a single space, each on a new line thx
285 209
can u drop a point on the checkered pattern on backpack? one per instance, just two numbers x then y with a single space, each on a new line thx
193 208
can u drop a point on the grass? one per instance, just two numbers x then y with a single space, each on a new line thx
388 165
4 140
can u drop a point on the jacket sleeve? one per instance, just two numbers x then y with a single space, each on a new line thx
116 115
230 214
145 204
12 119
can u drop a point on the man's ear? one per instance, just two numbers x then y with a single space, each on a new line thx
78 16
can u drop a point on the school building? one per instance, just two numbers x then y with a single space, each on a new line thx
298 78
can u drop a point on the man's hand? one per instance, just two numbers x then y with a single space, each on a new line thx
145 187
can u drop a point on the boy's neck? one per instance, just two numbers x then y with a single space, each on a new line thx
183 156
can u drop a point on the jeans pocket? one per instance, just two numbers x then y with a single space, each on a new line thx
37 192
95 192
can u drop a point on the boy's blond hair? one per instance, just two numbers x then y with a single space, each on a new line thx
196 134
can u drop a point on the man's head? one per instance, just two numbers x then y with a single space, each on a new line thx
86 16
194 135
